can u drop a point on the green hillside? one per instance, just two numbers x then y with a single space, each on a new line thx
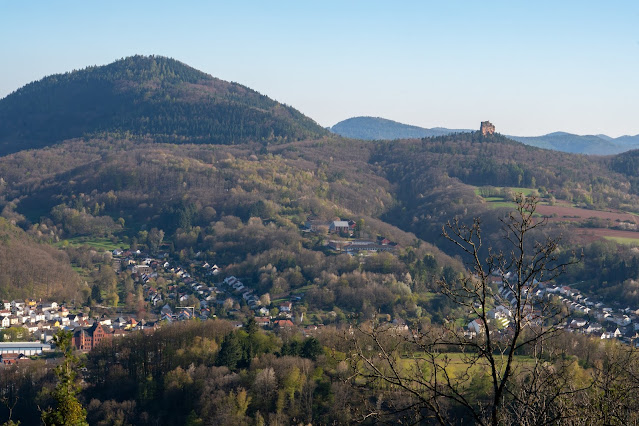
146 96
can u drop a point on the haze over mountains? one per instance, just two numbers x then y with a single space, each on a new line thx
586 144
376 128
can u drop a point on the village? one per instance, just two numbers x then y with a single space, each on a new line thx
38 321
199 290
192 292
584 315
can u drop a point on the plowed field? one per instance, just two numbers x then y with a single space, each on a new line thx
575 214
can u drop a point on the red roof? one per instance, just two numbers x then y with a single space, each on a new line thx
284 323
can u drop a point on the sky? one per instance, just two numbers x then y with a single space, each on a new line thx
530 68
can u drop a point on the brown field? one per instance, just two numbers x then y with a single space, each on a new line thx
575 214
592 234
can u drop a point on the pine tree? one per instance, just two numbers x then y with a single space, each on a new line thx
68 410
230 352
312 348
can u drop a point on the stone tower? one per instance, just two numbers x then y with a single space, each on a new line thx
487 128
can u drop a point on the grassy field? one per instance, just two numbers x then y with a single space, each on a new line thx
457 363
499 204
302 289
525 191
496 201
96 243
624 240
565 212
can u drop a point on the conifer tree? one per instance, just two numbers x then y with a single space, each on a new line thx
230 352
68 410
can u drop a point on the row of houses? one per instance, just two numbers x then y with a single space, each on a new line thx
34 316
506 303
83 328
186 287
236 286
592 317
595 318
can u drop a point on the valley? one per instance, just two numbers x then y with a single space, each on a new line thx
215 254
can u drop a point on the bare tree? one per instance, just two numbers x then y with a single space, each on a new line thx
449 374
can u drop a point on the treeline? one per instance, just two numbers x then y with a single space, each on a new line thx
187 186
627 164
497 161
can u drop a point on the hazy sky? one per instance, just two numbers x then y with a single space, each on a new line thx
530 67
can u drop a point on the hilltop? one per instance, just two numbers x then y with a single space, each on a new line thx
376 128
149 96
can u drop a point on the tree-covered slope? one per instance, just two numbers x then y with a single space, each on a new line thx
145 95
376 128
32 270
242 207
627 163
434 178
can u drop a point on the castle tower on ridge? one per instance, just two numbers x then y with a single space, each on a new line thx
487 128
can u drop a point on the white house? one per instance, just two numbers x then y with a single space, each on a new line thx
476 325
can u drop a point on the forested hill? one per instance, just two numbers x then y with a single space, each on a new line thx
145 95
588 144
376 128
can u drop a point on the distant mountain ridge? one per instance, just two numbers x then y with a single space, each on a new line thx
577 144
376 128
148 96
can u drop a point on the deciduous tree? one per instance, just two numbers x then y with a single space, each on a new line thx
477 376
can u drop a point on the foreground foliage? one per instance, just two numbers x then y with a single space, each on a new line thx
67 410
179 375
